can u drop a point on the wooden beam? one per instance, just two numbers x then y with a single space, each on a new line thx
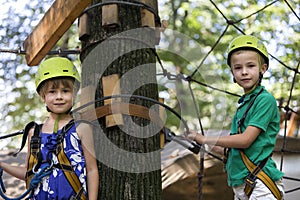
50 29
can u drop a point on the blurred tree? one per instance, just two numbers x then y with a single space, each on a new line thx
195 28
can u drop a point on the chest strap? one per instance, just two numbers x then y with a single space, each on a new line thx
35 160
257 172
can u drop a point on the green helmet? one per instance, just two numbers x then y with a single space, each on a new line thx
247 42
55 67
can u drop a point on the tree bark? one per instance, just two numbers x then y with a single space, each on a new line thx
129 154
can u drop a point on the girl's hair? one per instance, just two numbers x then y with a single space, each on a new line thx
56 82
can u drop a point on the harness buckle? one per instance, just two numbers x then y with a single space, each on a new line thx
35 143
74 198
250 181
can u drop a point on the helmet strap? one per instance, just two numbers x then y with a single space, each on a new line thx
53 112
48 109
260 78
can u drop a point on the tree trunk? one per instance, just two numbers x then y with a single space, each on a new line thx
128 154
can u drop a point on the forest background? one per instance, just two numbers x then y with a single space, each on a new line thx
193 45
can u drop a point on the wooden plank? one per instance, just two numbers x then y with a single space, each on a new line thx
111 86
162 117
110 15
87 95
293 125
84 26
50 29
147 18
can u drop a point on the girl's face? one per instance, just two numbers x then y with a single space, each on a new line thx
58 97
245 67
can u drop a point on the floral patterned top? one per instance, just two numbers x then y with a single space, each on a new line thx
56 185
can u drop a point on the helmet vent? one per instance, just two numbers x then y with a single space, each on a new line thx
65 70
249 42
46 73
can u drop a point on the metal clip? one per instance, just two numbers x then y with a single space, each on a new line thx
250 181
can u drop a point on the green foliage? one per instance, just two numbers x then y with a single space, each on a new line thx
204 23
194 45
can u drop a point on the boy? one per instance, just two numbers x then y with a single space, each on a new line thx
254 126
59 146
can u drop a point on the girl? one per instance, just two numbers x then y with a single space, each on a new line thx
60 146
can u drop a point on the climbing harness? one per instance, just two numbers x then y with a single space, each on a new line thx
64 164
35 158
256 171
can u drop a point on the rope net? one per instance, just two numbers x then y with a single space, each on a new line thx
288 105
198 76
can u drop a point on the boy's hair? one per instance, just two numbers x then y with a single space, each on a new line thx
56 82
261 59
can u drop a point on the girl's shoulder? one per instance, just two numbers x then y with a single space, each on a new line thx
83 129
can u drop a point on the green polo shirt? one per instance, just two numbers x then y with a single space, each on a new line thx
263 114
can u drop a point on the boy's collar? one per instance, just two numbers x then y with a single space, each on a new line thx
247 97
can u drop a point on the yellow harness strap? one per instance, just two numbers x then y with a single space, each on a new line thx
260 174
29 175
70 175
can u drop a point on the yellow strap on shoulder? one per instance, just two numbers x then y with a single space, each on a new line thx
262 176
70 174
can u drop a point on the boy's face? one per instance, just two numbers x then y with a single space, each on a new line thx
245 67
58 98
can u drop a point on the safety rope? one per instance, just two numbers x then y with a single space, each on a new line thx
45 171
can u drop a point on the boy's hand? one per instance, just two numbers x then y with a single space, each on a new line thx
191 135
